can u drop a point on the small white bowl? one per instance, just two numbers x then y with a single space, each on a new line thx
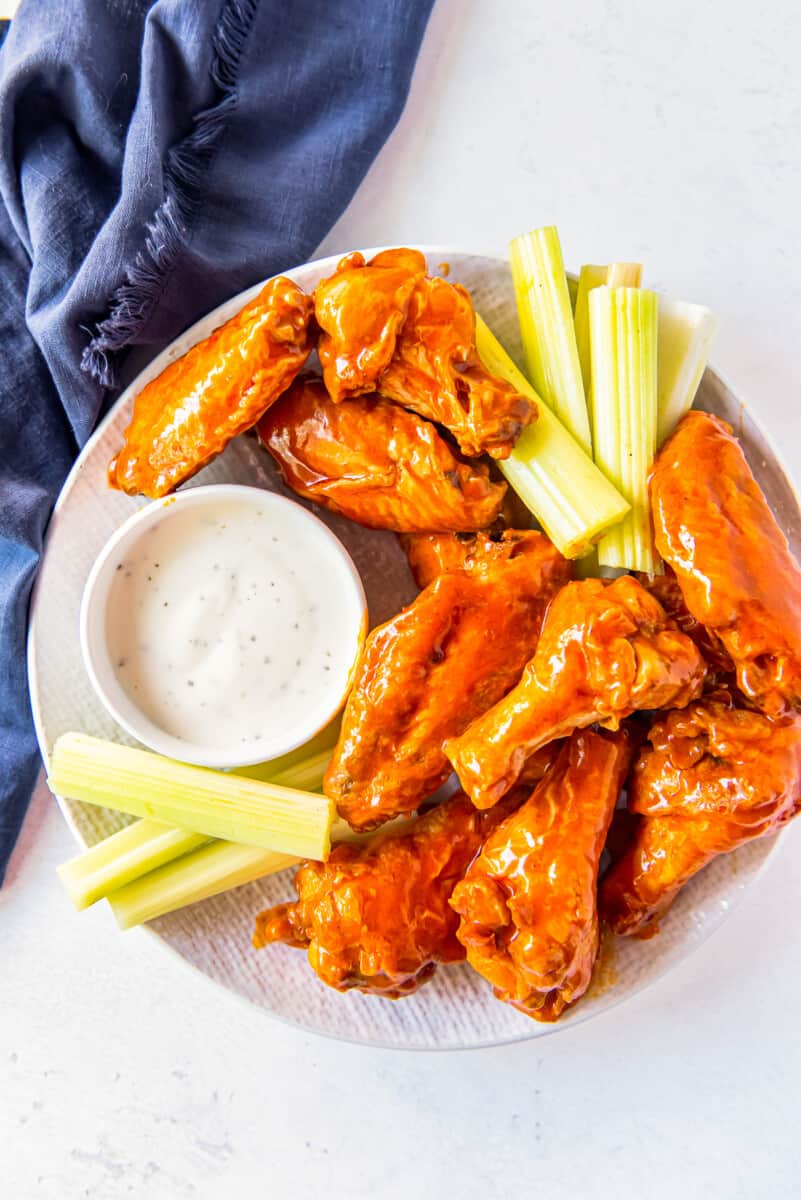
108 614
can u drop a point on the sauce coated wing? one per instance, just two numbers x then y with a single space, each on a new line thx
714 776
436 371
187 415
388 327
669 594
375 463
376 916
529 920
433 554
605 651
713 526
360 310
425 674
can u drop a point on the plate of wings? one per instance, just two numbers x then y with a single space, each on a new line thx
565 783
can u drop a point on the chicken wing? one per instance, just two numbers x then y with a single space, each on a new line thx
424 675
667 591
529 919
187 415
432 554
360 309
714 776
713 526
388 327
436 371
605 651
375 463
376 916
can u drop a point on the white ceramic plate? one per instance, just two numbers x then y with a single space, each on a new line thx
455 1010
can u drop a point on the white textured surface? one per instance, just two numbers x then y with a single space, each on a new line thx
670 134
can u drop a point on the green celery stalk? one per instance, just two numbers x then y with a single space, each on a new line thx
195 798
623 341
686 334
144 845
207 872
127 854
572 500
589 277
547 329
310 759
197 876
613 275
306 774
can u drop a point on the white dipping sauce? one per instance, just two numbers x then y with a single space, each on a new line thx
224 628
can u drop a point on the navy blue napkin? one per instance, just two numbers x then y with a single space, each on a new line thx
154 160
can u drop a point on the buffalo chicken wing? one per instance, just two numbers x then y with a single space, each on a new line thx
605 651
218 389
376 916
667 591
528 902
713 526
424 675
360 309
714 776
375 463
388 327
436 371
433 554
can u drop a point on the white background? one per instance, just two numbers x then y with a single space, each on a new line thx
670 134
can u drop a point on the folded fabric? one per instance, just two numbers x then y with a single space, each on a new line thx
154 160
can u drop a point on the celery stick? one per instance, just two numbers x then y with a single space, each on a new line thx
547 329
195 798
620 274
623 340
145 845
613 275
549 470
127 854
207 872
307 758
590 277
306 774
686 333
197 876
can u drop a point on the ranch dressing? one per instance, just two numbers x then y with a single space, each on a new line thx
223 627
